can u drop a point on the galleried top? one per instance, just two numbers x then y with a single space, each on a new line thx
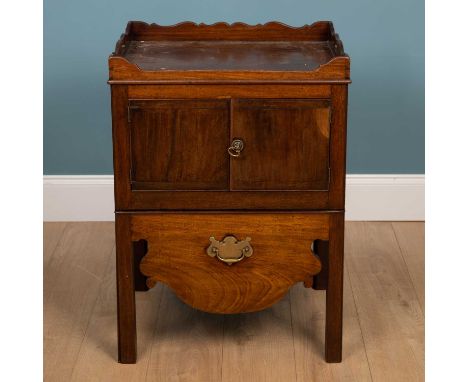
189 52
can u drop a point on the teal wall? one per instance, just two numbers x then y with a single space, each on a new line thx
384 38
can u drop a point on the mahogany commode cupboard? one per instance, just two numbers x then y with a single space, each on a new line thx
229 160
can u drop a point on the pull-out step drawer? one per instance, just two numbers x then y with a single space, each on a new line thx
229 262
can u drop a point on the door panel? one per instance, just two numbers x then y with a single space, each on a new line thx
179 144
286 145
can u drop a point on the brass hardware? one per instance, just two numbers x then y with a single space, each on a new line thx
230 250
236 147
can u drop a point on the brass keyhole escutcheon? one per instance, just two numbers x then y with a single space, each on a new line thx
230 250
236 147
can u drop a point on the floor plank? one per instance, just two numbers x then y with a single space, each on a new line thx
187 343
259 346
391 319
97 360
308 319
52 233
71 288
410 237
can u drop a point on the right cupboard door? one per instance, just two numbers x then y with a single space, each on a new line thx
285 144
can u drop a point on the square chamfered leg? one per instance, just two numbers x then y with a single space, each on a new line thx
334 301
126 320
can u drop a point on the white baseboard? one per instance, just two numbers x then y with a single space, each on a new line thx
385 197
78 198
368 197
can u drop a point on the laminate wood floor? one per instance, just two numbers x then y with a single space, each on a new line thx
383 317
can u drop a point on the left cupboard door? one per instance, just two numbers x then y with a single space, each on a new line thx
179 144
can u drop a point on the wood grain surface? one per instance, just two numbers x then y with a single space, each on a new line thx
256 339
96 361
211 91
238 52
338 131
391 318
126 313
334 301
273 30
286 144
157 157
179 144
228 55
71 286
188 343
122 71
410 236
177 256
308 327
52 234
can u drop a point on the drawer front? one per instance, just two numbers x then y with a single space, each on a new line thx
229 262
285 145
179 144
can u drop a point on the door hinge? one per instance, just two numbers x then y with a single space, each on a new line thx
329 176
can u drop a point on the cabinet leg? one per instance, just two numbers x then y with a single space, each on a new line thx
126 324
334 309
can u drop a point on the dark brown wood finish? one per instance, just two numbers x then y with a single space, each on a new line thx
271 31
124 72
180 95
180 89
228 55
121 145
338 147
179 144
286 145
144 200
312 52
126 319
334 311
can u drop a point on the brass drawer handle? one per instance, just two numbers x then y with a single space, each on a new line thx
230 250
236 147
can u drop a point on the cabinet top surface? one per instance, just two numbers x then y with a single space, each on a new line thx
229 51
228 55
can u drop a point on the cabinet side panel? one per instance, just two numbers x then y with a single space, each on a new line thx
338 146
120 140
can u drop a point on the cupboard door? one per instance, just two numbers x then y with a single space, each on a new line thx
286 145
179 144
